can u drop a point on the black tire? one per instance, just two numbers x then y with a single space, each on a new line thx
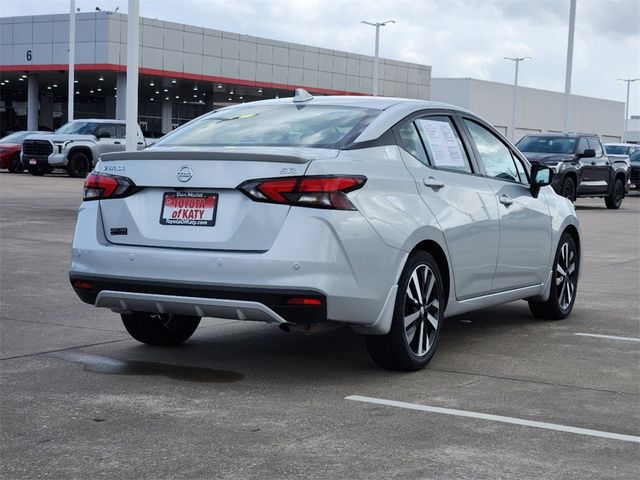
36 171
569 189
160 329
15 165
562 295
79 165
614 199
397 349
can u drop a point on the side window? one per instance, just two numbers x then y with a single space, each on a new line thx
583 145
106 129
411 142
595 144
494 154
443 144
121 130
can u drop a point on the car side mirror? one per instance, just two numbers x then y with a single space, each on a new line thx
588 153
541 176
103 135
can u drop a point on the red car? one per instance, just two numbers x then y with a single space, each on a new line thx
10 147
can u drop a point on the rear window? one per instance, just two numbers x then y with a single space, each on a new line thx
542 144
320 126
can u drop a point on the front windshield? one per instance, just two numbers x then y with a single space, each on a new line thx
78 127
320 126
617 149
540 144
16 137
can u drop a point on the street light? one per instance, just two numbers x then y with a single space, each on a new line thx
376 58
569 68
626 106
515 94
72 60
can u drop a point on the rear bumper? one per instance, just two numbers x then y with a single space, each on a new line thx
334 256
239 303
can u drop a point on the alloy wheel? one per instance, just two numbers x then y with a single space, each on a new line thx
565 276
421 310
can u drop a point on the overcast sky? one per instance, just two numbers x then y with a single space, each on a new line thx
458 38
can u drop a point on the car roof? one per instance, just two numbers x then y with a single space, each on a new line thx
363 101
561 135
622 145
99 120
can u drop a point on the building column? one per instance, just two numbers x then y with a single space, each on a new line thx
121 101
167 113
46 110
32 102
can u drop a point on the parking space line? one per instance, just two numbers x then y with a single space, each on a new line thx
496 418
610 337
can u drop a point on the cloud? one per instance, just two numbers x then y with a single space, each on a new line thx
458 38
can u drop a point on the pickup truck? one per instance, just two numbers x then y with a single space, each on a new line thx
581 166
76 146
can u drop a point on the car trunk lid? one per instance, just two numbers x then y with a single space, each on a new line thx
188 197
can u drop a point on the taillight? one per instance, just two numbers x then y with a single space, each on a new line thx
326 191
100 186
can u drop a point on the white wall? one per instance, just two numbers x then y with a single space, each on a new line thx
538 110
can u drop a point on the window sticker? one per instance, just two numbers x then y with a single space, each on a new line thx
443 143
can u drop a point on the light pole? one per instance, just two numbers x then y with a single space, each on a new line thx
376 58
133 56
626 106
515 94
567 78
72 59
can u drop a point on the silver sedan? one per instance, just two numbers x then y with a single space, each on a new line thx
387 215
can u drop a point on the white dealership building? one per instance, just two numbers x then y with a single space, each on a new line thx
185 70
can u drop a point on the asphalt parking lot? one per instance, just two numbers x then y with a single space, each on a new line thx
81 399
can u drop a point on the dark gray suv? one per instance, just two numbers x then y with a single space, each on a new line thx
581 166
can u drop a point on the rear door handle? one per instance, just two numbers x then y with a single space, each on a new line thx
505 200
432 182
116 143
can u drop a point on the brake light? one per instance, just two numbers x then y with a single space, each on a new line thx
100 186
304 301
82 285
327 191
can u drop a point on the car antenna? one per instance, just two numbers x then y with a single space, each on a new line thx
302 95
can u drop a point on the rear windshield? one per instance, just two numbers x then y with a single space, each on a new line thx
547 144
320 126
617 149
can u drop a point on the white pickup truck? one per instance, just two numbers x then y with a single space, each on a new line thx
76 146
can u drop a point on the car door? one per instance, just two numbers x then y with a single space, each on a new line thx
121 130
107 138
587 167
601 167
462 201
525 222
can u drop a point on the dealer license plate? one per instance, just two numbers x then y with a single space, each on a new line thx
33 161
196 209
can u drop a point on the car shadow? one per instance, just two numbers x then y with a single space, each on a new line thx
258 352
